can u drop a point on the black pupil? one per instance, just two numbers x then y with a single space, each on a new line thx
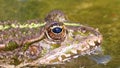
57 30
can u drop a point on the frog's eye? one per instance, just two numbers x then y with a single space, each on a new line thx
57 30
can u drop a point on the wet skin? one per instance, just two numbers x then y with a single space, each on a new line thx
53 42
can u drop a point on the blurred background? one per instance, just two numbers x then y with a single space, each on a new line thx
102 14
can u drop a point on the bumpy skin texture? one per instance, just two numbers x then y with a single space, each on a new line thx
34 46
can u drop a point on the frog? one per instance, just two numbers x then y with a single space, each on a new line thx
53 41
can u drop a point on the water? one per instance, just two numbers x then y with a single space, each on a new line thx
104 15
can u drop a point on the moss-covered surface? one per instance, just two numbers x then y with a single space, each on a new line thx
104 15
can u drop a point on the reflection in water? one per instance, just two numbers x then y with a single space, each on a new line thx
101 59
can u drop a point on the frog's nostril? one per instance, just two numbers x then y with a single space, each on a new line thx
57 30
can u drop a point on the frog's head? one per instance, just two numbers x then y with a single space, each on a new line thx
56 15
55 31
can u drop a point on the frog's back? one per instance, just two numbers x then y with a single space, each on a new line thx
18 33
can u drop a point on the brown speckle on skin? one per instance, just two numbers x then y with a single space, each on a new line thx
33 51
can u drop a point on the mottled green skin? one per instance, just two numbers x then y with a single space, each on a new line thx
16 35
13 38
31 46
